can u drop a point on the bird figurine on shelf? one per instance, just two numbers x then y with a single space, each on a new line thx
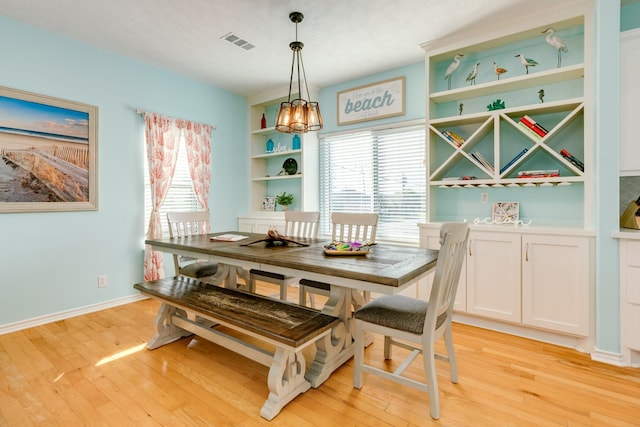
498 70
556 41
452 67
473 74
527 62
541 95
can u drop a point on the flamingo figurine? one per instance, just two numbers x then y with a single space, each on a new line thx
527 62
473 74
556 41
452 67
498 70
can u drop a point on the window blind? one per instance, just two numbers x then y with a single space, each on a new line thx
378 171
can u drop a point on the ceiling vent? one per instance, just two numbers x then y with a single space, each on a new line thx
238 41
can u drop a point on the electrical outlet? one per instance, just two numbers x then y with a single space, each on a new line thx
484 197
102 281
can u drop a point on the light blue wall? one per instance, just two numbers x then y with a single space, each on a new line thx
50 261
630 17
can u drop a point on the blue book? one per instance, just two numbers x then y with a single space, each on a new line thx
515 159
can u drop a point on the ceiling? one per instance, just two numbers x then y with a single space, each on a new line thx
344 39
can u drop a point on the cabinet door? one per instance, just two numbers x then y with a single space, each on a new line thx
555 283
493 275
245 225
629 65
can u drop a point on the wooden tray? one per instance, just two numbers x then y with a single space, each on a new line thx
334 252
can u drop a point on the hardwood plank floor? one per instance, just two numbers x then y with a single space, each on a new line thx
95 370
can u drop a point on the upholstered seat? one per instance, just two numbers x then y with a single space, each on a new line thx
414 324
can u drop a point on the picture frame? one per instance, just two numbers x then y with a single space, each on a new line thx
372 102
48 153
506 212
269 204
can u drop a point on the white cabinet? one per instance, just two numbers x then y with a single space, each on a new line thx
555 274
629 96
261 223
493 275
526 277
630 292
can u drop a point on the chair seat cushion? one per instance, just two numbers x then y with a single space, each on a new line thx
269 274
397 312
314 284
200 269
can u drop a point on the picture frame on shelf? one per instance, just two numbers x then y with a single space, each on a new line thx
506 212
269 204
53 144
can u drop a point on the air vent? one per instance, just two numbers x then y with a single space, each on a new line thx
237 41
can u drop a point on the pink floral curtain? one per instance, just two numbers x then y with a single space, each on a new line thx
198 139
162 138
162 135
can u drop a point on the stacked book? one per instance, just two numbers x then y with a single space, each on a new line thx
573 160
533 127
512 161
539 173
453 137
482 161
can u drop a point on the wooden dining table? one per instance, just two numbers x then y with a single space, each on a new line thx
386 269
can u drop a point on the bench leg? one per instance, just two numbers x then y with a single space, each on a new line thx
166 331
286 381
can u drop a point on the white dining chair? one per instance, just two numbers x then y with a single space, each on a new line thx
186 224
414 324
346 227
297 224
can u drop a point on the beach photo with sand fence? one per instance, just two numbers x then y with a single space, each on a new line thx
45 154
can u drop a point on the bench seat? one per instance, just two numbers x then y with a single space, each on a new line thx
193 307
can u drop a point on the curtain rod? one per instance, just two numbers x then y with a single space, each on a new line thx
142 112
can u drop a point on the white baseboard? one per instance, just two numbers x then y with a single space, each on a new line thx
609 357
54 317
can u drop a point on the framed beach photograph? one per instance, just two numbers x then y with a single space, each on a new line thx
506 212
48 153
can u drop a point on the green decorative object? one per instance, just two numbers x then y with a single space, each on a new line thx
284 199
498 104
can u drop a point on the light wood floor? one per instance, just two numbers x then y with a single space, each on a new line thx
94 370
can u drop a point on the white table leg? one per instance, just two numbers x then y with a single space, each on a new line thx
286 381
166 331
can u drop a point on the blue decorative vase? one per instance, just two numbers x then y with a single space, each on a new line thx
296 142
269 145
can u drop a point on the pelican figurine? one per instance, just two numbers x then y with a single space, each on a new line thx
527 62
473 74
557 42
498 70
541 95
452 67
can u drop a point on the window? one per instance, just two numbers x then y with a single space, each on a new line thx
181 196
378 171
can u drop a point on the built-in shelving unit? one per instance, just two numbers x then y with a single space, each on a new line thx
492 151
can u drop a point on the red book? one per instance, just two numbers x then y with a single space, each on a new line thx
532 126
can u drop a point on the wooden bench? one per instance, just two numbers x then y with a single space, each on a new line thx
193 307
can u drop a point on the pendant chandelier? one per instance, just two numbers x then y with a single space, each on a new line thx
298 115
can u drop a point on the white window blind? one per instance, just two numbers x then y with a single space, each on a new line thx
181 196
379 171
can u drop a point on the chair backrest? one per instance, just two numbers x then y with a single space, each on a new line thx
354 227
301 224
188 223
453 246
